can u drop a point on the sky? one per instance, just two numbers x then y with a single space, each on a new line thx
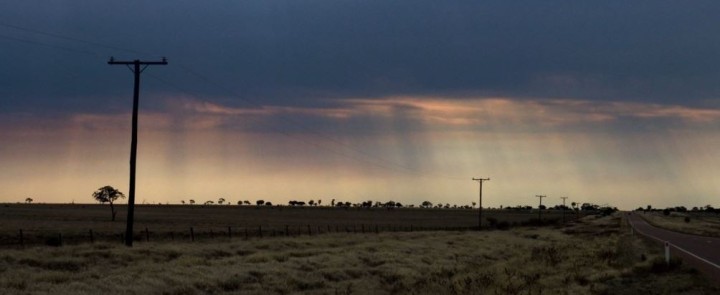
606 102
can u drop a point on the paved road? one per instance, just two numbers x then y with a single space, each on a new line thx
701 252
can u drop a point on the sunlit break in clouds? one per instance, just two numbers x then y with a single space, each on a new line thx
399 148
608 103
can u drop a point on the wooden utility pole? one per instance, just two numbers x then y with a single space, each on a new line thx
540 207
133 143
480 180
563 208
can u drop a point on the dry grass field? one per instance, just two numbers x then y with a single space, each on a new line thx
593 256
706 224
40 222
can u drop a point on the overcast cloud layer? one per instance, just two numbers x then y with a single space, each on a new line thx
365 98
293 52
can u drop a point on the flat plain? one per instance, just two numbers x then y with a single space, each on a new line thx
40 222
589 256
696 223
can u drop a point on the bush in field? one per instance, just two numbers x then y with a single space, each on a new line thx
53 241
659 265
687 219
108 194
606 211
493 221
503 225
666 212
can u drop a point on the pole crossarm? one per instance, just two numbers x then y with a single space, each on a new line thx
133 143
112 61
480 181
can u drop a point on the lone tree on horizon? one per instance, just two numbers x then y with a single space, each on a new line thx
28 200
108 194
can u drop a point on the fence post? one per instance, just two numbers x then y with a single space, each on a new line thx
92 238
246 233
411 228
260 230
362 227
309 231
287 230
192 234
122 237
212 235
328 228
172 236
147 235
60 238
377 229
22 239
229 232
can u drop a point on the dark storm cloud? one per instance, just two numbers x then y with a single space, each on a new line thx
289 52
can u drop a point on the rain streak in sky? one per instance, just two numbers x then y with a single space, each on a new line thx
607 102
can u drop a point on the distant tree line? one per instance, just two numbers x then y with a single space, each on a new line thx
668 210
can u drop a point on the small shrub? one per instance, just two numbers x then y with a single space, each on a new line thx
503 225
659 264
550 255
243 252
493 221
22 285
687 219
230 284
216 254
181 290
53 241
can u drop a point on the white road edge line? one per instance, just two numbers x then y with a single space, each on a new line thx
671 244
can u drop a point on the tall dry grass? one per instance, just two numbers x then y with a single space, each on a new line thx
591 257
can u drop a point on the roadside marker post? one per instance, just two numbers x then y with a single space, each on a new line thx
667 253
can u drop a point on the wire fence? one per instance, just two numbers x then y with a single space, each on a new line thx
25 238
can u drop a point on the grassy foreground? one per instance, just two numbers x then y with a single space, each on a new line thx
591 257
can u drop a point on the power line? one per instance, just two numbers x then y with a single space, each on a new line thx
362 155
49 45
68 38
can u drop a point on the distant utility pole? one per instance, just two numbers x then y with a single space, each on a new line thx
133 144
540 207
564 198
480 180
